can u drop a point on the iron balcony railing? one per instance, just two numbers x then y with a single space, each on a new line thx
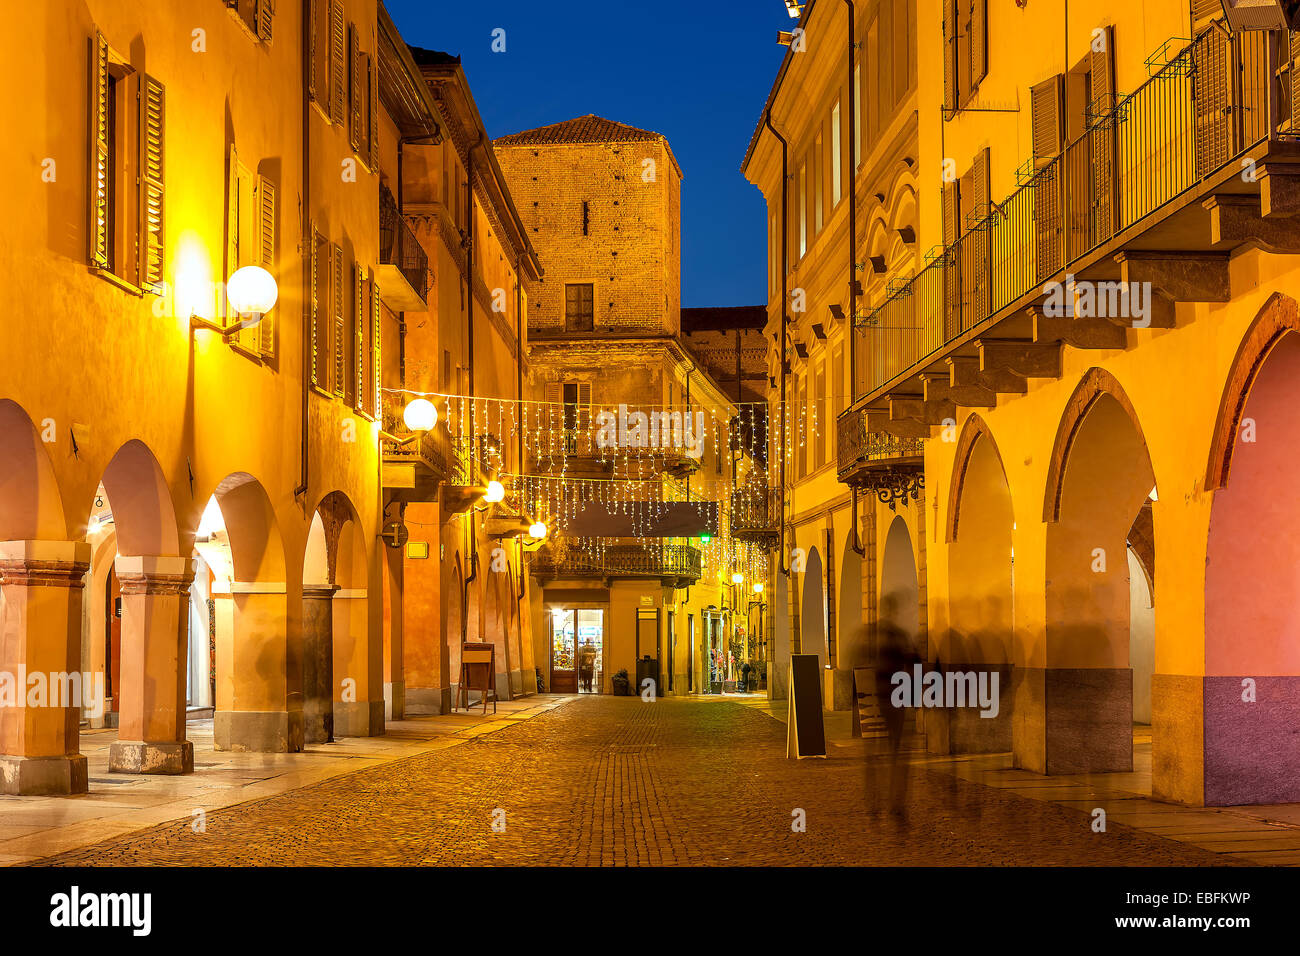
667 560
755 511
858 445
399 247
1196 114
473 458
432 448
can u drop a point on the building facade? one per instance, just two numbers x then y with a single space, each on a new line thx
641 565
1093 353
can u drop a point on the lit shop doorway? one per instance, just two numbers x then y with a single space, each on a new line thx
577 650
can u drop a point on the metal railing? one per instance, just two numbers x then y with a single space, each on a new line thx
667 560
755 511
433 448
857 444
1196 114
399 247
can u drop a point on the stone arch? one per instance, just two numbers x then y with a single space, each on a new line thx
971 432
455 621
1252 754
1096 383
141 501
899 585
1099 479
258 700
496 623
812 613
851 647
155 581
31 507
1277 317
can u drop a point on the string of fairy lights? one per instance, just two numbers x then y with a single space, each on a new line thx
646 457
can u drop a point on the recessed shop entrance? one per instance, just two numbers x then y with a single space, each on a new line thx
577 650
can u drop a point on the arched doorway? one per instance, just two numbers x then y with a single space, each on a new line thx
852 647
900 593
1252 587
1099 480
258 700
153 580
981 593
42 574
812 611
779 666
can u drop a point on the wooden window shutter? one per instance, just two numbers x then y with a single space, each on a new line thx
1203 11
338 63
1101 74
950 56
1213 102
354 88
979 55
951 225
376 405
981 194
338 333
152 135
359 339
266 225
1045 103
265 14
1295 81
99 171
978 292
314 52
317 345
1101 70
372 112
951 260
232 215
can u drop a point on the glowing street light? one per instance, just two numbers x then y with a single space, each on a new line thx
251 293
737 578
758 587
421 415
495 492
538 530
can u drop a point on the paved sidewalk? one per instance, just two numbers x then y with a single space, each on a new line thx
1261 835
34 827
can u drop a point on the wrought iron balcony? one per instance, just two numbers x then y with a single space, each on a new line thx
676 565
404 265
1163 185
414 469
756 515
882 464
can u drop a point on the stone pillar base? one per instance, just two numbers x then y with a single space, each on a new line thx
249 731
364 718
137 756
317 721
1072 719
43 776
394 700
427 701
1252 751
962 730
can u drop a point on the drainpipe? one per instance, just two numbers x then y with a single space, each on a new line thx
301 490
401 316
519 397
785 295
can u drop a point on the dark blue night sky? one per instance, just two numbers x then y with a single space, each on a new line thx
697 72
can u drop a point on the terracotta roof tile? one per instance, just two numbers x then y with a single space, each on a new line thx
584 129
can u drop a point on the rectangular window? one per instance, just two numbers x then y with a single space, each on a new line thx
803 208
579 307
821 430
838 395
836 158
818 178
255 15
126 169
857 117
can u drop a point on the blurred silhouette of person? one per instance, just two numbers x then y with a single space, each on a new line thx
587 664
894 654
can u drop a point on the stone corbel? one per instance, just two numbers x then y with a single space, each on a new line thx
963 387
1180 276
1006 365
1237 218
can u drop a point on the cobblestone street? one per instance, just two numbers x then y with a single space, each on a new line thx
616 781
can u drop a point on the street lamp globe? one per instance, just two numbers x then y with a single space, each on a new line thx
495 492
421 415
737 578
538 530
758 587
252 291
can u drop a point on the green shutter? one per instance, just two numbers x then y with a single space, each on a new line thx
152 136
338 63
99 171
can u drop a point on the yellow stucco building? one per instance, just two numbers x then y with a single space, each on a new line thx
1069 316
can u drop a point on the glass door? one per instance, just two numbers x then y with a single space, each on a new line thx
564 668
591 650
